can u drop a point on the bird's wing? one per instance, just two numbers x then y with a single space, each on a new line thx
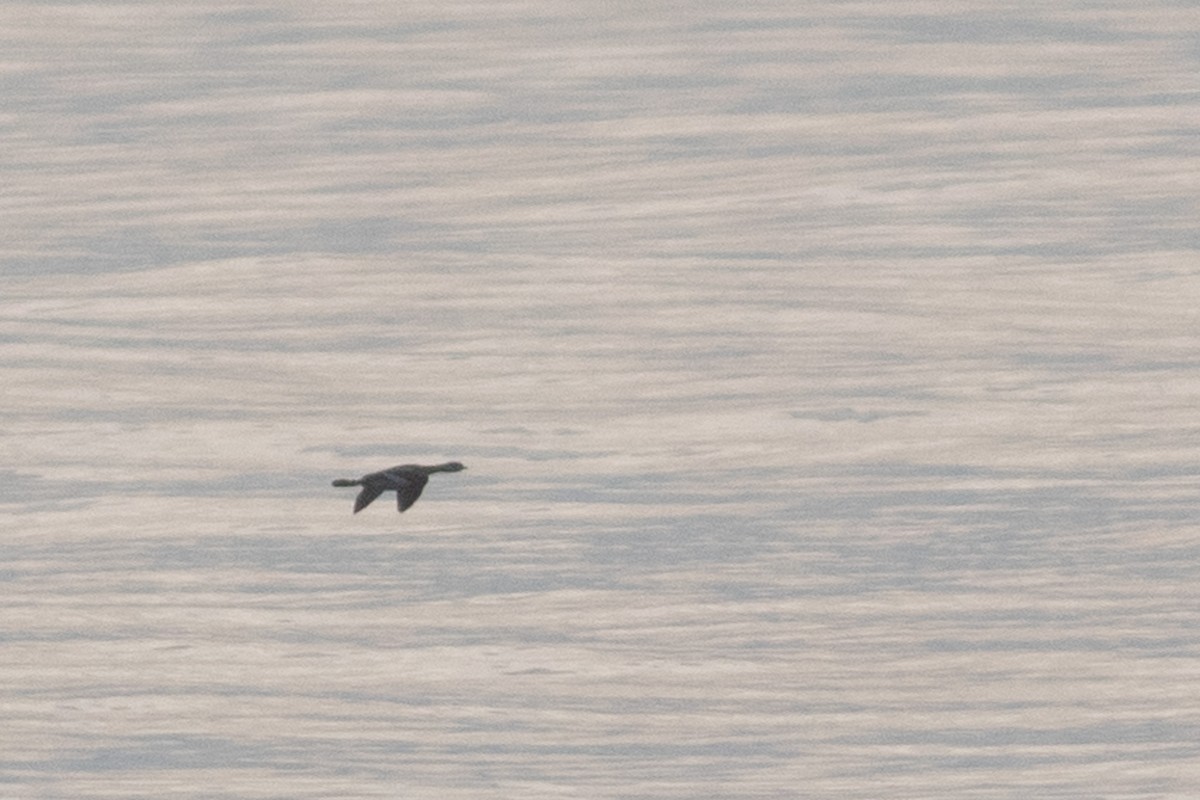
366 496
408 489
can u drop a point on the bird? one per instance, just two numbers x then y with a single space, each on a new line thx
406 480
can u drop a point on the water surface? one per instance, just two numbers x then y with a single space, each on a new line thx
826 378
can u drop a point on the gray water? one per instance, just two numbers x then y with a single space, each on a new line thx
826 375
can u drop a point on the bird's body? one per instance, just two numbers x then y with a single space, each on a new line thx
406 480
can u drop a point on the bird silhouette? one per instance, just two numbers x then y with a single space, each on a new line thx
406 480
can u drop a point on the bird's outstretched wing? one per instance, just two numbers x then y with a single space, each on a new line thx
366 497
408 488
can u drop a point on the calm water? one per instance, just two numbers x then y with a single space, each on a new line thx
826 374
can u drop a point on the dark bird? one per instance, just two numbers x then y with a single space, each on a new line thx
406 481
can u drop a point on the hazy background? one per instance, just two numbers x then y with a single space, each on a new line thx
826 375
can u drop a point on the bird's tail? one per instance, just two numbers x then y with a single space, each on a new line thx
346 482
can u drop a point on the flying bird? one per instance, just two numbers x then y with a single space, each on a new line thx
406 481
